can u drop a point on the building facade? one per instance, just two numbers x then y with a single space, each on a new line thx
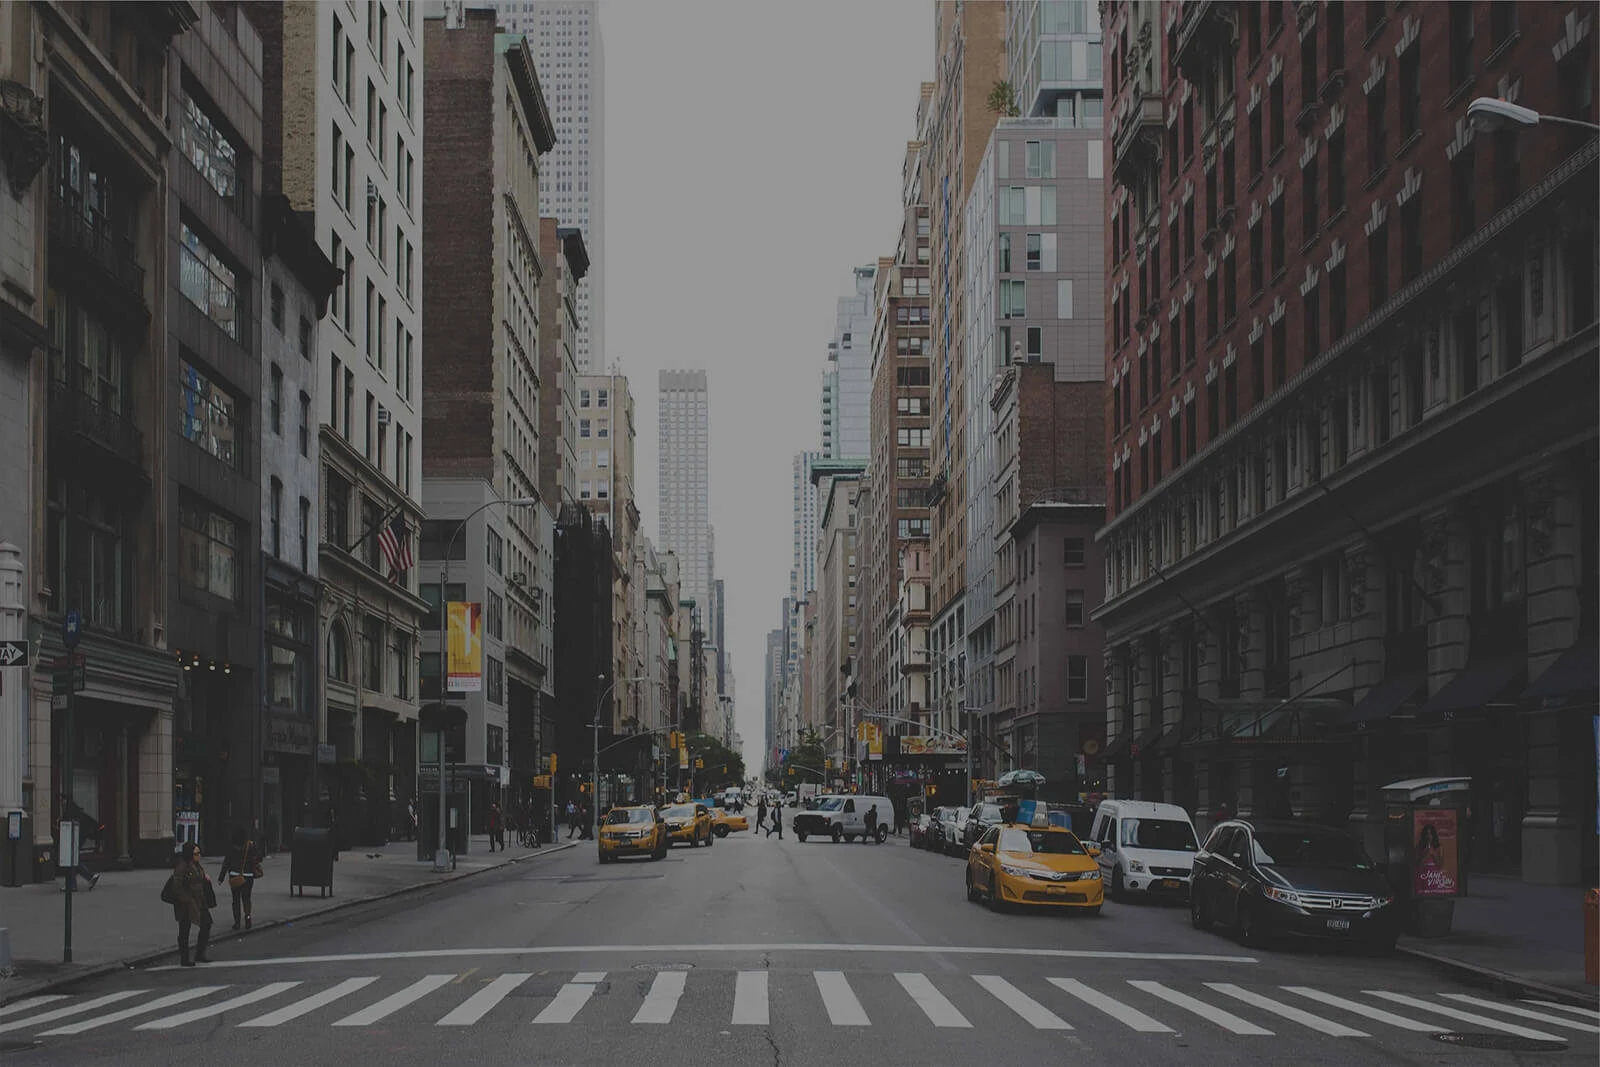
847 381
835 648
683 479
1302 325
606 433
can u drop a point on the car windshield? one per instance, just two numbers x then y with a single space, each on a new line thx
1049 842
624 816
1316 849
680 811
1166 834
830 804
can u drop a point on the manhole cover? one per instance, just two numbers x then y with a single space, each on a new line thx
663 966
17 1046
1501 1042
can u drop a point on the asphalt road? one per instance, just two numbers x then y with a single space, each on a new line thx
758 952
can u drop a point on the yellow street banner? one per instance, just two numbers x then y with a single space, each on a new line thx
683 758
874 741
466 646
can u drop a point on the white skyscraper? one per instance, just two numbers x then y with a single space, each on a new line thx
803 571
847 383
683 480
565 38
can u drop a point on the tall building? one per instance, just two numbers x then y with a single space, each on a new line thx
565 261
1353 519
1053 55
488 128
803 568
342 139
834 666
682 480
772 690
606 487
847 381
566 43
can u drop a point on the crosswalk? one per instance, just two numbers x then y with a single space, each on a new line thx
1163 1006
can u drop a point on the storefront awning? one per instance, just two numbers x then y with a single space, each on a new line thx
1118 748
1169 739
1478 685
1386 698
1575 672
1143 742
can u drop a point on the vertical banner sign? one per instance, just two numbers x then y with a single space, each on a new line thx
874 741
683 757
1434 869
466 647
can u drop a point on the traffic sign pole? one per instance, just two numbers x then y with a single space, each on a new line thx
70 631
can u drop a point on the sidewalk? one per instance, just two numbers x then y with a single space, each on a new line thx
1511 934
122 920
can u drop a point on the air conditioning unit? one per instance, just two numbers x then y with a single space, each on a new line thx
519 578
372 191
383 415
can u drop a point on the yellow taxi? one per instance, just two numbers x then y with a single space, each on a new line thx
636 831
689 823
1033 863
725 822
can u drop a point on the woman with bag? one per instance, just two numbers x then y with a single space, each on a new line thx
241 866
192 898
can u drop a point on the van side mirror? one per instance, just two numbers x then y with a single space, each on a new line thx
986 848
1093 848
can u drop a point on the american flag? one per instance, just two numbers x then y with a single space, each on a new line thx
395 544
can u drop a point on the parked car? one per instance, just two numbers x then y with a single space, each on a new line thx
1145 847
1262 878
942 830
955 842
984 817
921 830
1033 864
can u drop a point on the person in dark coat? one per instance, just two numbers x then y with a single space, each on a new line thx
871 824
189 893
761 812
240 865
777 820
497 828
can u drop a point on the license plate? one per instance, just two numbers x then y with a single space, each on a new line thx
1338 924
1170 883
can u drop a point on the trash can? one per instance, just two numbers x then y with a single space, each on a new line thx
1422 834
311 860
1591 937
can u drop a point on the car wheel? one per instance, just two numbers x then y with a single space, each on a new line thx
1383 945
604 859
1247 928
1199 914
838 835
1118 894
722 831
802 838
883 835
972 891
694 840
711 839
995 903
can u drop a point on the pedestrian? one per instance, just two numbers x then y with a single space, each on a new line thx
87 824
497 830
189 892
871 823
572 819
411 820
241 865
761 812
777 820
899 818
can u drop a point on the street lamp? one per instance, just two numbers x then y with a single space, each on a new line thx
441 856
594 780
1489 115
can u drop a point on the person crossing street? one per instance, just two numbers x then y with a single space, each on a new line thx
777 820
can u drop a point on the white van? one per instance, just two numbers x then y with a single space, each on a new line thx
843 817
1145 847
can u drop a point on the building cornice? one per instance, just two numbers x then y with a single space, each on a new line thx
519 61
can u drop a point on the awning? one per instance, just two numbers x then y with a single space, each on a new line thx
1169 739
1142 744
1486 682
1386 698
1118 748
1575 671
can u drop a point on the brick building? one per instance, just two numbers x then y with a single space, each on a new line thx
1351 421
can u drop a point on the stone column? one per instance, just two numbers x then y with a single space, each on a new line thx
124 855
1171 704
1147 668
1446 558
1116 700
1368 592
15 683
1252 644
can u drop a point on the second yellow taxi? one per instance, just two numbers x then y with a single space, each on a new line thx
725 822
1033 863
689 824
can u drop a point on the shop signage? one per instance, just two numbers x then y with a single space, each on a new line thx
327 754
292 736
921 745
466 647
1435 865
271 776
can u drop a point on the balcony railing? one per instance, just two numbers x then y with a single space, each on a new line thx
80 238
1205 28
1136 138
74 412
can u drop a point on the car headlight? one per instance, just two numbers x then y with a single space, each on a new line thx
1090 876
1282 896
1382 902
1136 867
1016 872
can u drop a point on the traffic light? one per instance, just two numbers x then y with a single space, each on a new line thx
827 764
791 772
552 763
699 764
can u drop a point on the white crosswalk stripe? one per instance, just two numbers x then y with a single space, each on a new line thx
1525 1013
1375 1014
1463 1016
1130 1017
570 998
1573 1009
69 1010
662 1001
394 1002
1304 1018
31 1003
484 1000
243 1000
1031 1011
311 1003
750 1004
840 1000
934 1004
1227 1020
158 1004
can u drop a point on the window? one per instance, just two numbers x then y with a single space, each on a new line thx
1041 159
911 467
1464 192
1255 142
583 428
336 511
275 400
203 143
1460 43
1508 317
494 551
305 424
372 642
275 518
1378 268
1411 90
1258 260
209 283
1077 678
1075 611
438 537
1035 343
1334 13
1004 253
403 661
1279 237
277 307
1377 129
1013 299
208 545
1275 113
338 653
1336 176
912 437
1411 238
305 535
494 611
1337 303
206 415
1308 201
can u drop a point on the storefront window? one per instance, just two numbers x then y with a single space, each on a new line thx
338 653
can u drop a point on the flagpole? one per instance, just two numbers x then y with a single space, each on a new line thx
387 517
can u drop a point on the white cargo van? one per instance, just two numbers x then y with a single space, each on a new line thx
1145 847
843 817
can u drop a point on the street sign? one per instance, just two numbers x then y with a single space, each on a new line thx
71 625
13 653
67 681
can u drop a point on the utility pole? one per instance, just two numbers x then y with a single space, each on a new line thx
71 628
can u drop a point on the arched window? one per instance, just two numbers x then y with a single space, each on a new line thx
338 653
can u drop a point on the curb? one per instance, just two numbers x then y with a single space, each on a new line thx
102 969
1500 981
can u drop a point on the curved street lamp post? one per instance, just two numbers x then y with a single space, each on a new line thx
594 780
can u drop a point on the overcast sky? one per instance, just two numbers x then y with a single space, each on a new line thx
753 153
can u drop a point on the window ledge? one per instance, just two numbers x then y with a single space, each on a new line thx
1409 143
1502 49
1277 154
1460 92
1376 177
1337 217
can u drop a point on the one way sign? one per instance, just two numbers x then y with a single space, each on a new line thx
13 653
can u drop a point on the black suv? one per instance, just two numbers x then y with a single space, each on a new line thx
1266 877
983 817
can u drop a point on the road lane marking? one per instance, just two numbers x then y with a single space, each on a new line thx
31 1002
1225 1019
1513 1009
395 1001
483 1001
751 1005
71 1009
840 1000
1375 1014
1132 1018
934 1004
1293 1014
662 1000
168 1001
1587 1013
311 1003
1464 1016
643 950
570 998
1032 1012
271 989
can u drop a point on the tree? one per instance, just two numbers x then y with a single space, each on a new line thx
722 765
1003 100
807 758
